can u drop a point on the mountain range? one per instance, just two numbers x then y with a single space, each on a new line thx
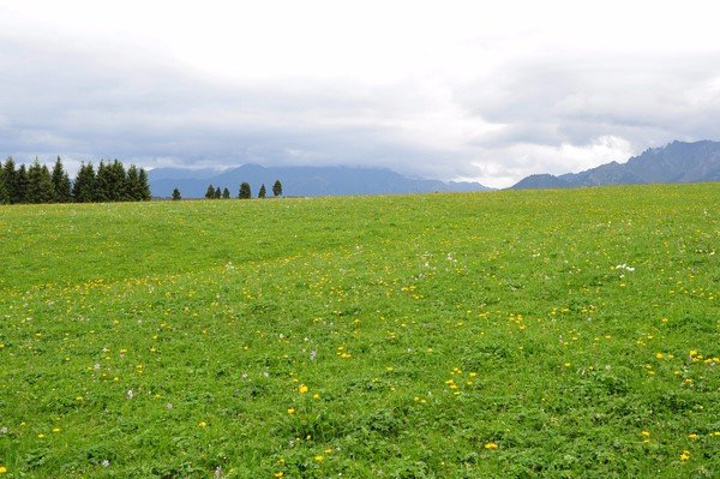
677 162
298 181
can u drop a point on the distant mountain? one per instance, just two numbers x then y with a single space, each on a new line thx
677 162
298 181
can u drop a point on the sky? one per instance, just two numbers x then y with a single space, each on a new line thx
452 90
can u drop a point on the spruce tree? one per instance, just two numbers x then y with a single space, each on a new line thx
218 193
225 194
277 188
4 190
134 189
84 186
245 192
145 194
21 183
39 186
210 193
262 193
61 183
10 179
176 195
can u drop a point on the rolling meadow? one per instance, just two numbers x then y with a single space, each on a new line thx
522 334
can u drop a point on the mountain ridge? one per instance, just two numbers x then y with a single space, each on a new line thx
676 162
299 181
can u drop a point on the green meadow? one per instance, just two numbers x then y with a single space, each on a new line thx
548 334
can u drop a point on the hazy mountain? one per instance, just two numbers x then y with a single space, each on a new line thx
298 181
677 162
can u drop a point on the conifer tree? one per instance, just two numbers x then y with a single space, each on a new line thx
133 191
21 183
61 183
218 193
225 194
9 175
210 193
176 195
277 188
5 188
245 192
145 194
262 193
39 186
84 186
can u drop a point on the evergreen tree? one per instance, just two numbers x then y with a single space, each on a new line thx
40 188
176 195
102 183
225 194
5 195
210 193
118 182
245 191
218 193
277 188
262 193
10 178
84 186
145 194
133 191
21 183
61 183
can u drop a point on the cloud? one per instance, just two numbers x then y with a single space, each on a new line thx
556 112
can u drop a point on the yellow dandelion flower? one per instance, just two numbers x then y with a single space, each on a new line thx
645 433
202 424
291 410
491 446
279 474
318 458
693 436
685 455
659 356
303 389
3 469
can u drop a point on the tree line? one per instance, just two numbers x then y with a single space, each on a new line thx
244 193
37 184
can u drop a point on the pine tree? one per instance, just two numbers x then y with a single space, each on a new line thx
262 193
133 191
61 183
145 194
118 182
10 178
21 183
210 193
245 192
4 188
225 194
176 195
84 186
40 188
218 193
102 183
277 188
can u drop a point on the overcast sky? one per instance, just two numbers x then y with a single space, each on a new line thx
489 91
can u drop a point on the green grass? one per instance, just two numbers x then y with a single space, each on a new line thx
574 330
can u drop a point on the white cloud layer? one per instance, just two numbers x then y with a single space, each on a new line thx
446 90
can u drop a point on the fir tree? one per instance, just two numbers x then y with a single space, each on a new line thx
245 192
225 194
176 195
61 183
262 193
40 188
21 183
277 188
84 186
218 193
5 188
210 193
145 194
134 189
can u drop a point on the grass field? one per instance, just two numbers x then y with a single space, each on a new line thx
505 334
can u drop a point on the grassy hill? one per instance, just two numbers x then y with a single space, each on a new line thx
504 334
